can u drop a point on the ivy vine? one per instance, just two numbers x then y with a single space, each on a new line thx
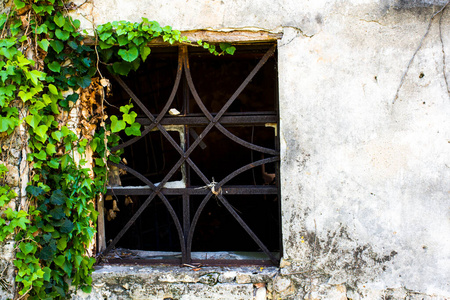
49 73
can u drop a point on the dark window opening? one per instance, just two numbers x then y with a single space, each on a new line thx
224 194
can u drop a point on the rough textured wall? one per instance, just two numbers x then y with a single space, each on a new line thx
365 179
13 155
369 187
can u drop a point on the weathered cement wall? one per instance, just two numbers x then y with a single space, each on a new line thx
13 153
365 179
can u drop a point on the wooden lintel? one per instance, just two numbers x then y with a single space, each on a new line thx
235 36
210 36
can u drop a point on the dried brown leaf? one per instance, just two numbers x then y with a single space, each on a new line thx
115 207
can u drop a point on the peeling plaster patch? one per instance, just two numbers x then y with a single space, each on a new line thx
325 291
7 273
338 258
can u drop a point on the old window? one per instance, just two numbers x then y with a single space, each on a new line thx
201 184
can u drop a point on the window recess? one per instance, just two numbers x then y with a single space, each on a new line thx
201 185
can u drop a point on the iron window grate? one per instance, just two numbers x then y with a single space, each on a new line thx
204 122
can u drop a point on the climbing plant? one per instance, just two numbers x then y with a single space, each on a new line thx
51 87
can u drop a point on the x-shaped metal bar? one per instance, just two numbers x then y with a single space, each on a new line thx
183 61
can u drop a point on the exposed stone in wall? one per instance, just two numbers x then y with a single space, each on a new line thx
7 270
124 282
13 156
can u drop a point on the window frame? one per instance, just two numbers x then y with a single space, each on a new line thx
214 189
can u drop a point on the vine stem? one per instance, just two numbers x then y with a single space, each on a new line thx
417 50
4 26
21 297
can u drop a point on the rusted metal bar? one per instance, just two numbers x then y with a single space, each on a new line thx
195 190
176 262
215 120
145 110
247 228
143 207
271 117
219 185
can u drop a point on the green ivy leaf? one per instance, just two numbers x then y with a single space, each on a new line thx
35 76
57 213
26 248
41 130
53 163
41 155
54 66
47 253
44 44
19 4
5 123
86 61
62 243
73 97
59 20
76 23
72 44
46 99
47 273
50 149
134 129
114 158
130 118
78 260
20 222
53 89
3 19
37 9
57 135
105 35
58 198
122 68
230 50
62 34
83 142
129 55
122 40
59 260
42 29
65 159
155 27
33 120
138 40
57 45
66 227
117 125
94 144
84 81
34 190
145 51
48 228
126 108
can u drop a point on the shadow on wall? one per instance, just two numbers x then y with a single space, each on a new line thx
407 4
